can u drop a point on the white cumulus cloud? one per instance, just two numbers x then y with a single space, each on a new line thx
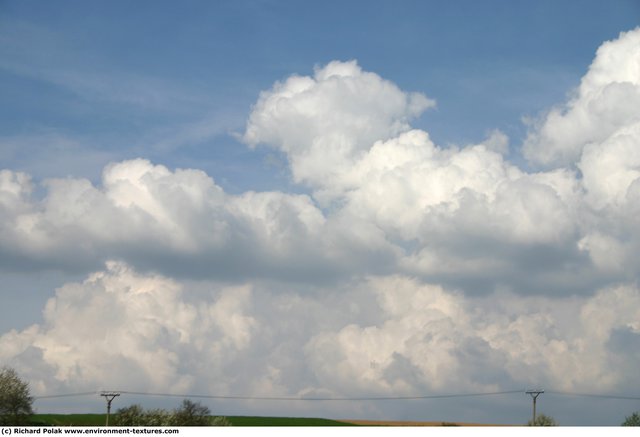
408 267
322 123
379 336
607 100
121 329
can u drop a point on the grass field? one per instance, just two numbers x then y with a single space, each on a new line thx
99 420
283 421
69 419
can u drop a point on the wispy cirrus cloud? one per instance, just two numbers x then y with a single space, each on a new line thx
40 54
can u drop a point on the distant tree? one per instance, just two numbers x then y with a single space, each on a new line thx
132 415
633 420
543 420
15 399
191 414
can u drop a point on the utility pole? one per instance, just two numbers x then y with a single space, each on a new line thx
534 394
109 396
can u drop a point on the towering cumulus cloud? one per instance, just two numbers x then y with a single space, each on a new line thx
598 132
324 123
408 268
606 102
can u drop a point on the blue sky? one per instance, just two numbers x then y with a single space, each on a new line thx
152 67
340 198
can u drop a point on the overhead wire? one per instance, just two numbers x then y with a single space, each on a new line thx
290 398
66 395
341 399
594 395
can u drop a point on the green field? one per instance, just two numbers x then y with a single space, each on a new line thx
99 420
283 421
68 419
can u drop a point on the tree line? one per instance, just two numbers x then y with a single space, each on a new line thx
16 408
188 414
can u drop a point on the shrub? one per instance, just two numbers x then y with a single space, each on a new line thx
633 420
543 420
188 414
135 415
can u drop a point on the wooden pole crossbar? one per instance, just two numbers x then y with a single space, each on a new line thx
109 397
534 394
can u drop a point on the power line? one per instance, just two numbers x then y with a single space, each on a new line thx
67 395
291 398
593 395
326 399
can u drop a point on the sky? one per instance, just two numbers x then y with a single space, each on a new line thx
336 200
